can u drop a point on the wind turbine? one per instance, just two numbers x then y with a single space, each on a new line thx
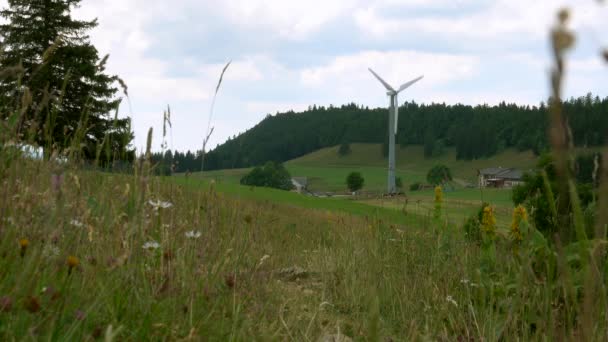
393 117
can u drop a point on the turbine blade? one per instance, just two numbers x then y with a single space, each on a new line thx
408 84
396 113
386 85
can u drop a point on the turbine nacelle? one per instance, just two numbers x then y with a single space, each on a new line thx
393 94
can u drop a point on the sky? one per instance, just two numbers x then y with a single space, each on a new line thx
293 54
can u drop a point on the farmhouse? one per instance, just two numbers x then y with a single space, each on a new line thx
300 184
498 177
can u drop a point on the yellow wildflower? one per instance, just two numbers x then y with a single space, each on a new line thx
488 221
72 262
438 201
519 215
23 243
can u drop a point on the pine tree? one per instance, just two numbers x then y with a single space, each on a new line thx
73 99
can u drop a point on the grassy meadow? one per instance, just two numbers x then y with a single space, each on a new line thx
89 255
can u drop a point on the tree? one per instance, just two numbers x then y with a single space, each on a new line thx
271 175
344 149
439 174
72 98
354 181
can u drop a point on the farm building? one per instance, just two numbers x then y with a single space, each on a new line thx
300 184
498 177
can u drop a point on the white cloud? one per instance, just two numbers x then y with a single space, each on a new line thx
396 67
290 19
499 21
492 68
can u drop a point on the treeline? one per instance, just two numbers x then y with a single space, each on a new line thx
475 131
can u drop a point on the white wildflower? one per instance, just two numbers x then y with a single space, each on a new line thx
160 204
263 259
464 281
77 223
193 234
50 251
151 245
449 299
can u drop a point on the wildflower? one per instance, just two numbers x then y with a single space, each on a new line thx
263 259
464 281
23 243
6 304
451 300
151 245
438 201
160 204
193 234
32 304
76 223
488 221
519 216
50 251
72 262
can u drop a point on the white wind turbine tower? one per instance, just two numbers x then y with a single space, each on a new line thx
393 116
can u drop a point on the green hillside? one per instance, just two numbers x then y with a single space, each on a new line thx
327 170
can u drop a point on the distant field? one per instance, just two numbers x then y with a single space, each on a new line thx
327 171
412 166
332 204
458 205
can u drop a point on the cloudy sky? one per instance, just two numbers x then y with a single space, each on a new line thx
291 54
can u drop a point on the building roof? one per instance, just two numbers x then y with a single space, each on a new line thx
502 173
299 181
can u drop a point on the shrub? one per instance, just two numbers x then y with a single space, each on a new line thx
355 181
344 149
472 227
415 186
399 183
439 174
271 175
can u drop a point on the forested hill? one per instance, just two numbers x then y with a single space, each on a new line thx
475 132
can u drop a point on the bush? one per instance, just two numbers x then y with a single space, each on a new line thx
472 226
415 186
355 181
271 175
399 183
439 174
344 149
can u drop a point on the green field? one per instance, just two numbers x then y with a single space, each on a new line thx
287 198
412 166
326 171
